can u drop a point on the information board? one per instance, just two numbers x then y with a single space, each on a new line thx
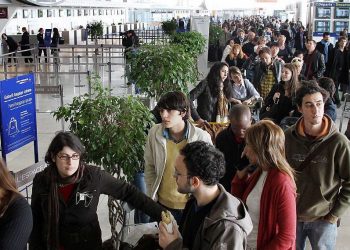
18 114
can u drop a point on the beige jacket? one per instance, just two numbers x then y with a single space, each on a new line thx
155 154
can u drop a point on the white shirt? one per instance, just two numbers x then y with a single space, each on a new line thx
253 204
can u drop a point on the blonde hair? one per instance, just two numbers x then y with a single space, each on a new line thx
240 53
267 140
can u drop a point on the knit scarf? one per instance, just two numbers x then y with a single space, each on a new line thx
53 206
222 109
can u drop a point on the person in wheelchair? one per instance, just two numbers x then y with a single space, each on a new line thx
242 91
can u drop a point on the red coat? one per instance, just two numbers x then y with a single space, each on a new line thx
277 223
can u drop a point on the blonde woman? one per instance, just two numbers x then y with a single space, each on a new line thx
269 192
227 49
236 57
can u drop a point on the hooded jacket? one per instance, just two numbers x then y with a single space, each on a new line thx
226 226
155 154
318 184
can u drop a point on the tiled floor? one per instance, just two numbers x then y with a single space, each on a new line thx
48 126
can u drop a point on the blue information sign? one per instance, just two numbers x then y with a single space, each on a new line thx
47 37
18 114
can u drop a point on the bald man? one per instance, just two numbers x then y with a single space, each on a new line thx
231 142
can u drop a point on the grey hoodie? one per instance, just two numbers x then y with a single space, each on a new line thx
226 226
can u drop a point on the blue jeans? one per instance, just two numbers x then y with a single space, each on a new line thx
322 235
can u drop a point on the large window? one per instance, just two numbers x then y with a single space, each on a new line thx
40 13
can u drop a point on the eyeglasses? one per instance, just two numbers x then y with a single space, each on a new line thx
177 174
66 157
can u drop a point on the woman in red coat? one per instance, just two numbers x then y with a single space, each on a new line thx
269 192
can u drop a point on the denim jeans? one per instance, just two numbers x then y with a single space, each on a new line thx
322 235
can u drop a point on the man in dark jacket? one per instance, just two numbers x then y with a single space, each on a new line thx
300 39
41 44
25 45
314 62
231 142
326 48
213 218
248 47
12 46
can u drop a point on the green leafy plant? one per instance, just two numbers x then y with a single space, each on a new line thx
215 32
193 42
96 29
111 128
169 27
157 69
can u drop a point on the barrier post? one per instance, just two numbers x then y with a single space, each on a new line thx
5 69
110 77
56 73
89 83
61 102
73 58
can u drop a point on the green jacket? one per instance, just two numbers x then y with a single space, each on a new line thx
324 186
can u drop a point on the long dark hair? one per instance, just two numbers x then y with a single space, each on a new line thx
213 77
292 85
7 186
55 32
61 140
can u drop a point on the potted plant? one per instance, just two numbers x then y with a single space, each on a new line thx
157 69
169 27
215 32
193 42
95 30
112 130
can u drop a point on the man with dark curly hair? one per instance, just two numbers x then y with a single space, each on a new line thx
212 218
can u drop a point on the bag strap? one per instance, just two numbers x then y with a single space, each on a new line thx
315 152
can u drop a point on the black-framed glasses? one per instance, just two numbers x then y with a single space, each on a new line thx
66 157
177 174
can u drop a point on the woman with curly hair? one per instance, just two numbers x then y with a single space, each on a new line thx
212 94
280 100
236 57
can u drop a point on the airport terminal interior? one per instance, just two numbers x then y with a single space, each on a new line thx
65 74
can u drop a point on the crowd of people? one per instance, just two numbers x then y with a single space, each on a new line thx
267 184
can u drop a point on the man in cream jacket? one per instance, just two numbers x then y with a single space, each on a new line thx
164 142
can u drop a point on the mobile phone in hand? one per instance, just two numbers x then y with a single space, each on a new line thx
243 163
